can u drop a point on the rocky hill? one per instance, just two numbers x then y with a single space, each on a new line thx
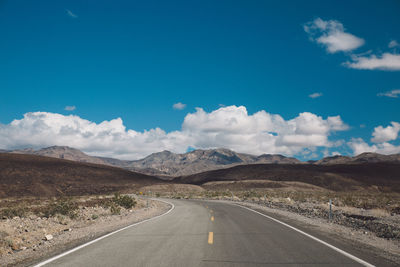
367 157
32 175
61 152
167 164
375 176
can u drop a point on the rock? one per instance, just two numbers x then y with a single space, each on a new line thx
23 248
15 246
48 237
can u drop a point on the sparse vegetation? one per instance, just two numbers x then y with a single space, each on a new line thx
124 201
62 206
115 210
13 212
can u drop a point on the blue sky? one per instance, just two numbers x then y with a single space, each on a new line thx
135 59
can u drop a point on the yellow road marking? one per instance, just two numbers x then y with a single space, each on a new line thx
210 238
212 218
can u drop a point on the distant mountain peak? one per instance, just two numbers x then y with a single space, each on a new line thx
167 163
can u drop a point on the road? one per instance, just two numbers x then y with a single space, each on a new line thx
200 233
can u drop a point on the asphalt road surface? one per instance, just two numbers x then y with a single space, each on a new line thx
200 233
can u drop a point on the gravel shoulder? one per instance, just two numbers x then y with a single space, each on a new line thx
31 239
351 232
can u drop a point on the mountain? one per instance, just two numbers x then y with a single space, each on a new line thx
171 164
377 176
33 175
166 164
62 152
367 157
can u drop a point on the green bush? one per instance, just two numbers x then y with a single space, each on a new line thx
63 206
13 212
115 210
124 201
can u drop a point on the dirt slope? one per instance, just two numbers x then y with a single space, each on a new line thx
384 177
32 175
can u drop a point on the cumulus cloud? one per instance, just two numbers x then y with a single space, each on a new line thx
393 93
69 13
393 44
387 61
358 145
381 138
179 106
315 95
332 35
384 134
230 127
69 108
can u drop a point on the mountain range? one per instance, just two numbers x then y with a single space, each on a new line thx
167 165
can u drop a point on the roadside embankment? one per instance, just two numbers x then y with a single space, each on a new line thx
35 229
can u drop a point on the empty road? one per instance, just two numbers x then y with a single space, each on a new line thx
201 233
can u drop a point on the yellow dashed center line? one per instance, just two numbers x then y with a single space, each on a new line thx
210 238
212 218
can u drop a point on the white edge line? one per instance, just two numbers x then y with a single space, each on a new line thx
312 237
104 236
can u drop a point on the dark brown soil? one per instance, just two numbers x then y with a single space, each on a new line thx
31 175
383 177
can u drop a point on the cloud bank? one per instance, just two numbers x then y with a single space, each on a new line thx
381 138
230 127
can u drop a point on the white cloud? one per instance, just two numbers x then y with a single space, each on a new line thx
393 93
388 133
393 44
315 95
179 106
230 127
358 145
332 35
69 108
381 138
72 15
387 61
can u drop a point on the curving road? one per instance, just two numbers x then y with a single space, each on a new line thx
200 233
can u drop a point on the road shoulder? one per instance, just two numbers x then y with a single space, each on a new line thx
370 248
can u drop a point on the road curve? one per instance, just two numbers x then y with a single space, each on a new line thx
201 233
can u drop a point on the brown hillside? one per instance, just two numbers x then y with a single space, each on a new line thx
31 175
341 177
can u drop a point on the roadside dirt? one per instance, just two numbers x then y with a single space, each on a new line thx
374 229
27 240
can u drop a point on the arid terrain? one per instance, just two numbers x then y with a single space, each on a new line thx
68 199
32 228
31 175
